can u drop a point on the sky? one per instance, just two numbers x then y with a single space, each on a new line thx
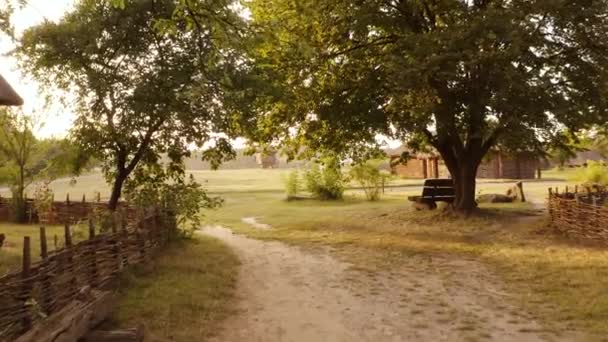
57 119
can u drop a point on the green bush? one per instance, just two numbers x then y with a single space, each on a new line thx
370 178
325 181
595 173
293 184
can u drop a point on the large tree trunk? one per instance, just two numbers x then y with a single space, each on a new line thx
119 180
464 186
463 169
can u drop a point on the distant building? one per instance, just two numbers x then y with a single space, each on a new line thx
496 165
267 160
8 96
421 165
511 166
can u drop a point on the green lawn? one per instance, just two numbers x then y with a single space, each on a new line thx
11 252
183 294
561 282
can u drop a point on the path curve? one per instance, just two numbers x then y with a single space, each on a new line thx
289 294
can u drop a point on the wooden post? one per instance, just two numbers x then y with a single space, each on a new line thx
56 241
47 286
93 281
84 198
98 197
69 262
44 250
67 198
27 284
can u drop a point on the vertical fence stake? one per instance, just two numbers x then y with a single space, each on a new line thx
93 255
27 284
70 259
47 286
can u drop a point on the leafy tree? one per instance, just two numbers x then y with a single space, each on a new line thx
25 159
148 83
460 75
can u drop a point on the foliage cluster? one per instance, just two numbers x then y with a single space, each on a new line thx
293 184
594 173
369 176
181 196
25 159
324 180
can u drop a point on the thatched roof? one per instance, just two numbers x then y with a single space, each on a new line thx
8 96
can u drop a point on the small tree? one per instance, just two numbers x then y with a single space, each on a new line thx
17 143
370 177
325 179
25 159
292 184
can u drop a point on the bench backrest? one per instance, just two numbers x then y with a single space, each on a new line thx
438 188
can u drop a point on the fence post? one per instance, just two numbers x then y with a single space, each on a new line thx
93 272
67 198
69 253
84 198
47 286
27 284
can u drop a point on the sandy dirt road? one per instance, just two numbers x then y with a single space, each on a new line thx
290 294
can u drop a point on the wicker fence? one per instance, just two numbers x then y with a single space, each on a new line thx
61 212
580 214
44 287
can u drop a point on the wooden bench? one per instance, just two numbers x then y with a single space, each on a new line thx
433 191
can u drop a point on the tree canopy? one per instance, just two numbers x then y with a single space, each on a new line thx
149 78
461 75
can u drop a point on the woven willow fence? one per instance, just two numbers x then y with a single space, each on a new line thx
60 212
580 214
44 287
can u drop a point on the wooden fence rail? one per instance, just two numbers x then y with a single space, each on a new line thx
579 214
42 288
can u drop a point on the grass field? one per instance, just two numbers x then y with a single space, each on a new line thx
561 282
11 252
183 294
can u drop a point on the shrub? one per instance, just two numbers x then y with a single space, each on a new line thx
292 184
325 181
43 201
595 173
370 178
184 199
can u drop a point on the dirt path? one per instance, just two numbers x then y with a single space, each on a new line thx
288 294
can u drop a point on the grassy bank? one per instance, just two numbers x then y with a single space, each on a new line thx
183 294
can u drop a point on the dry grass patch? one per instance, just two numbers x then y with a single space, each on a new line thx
561 282
182 295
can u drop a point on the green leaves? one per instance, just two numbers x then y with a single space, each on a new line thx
149 77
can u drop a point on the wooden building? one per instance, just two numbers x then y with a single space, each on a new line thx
8 96
495 165
422 165
510 166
